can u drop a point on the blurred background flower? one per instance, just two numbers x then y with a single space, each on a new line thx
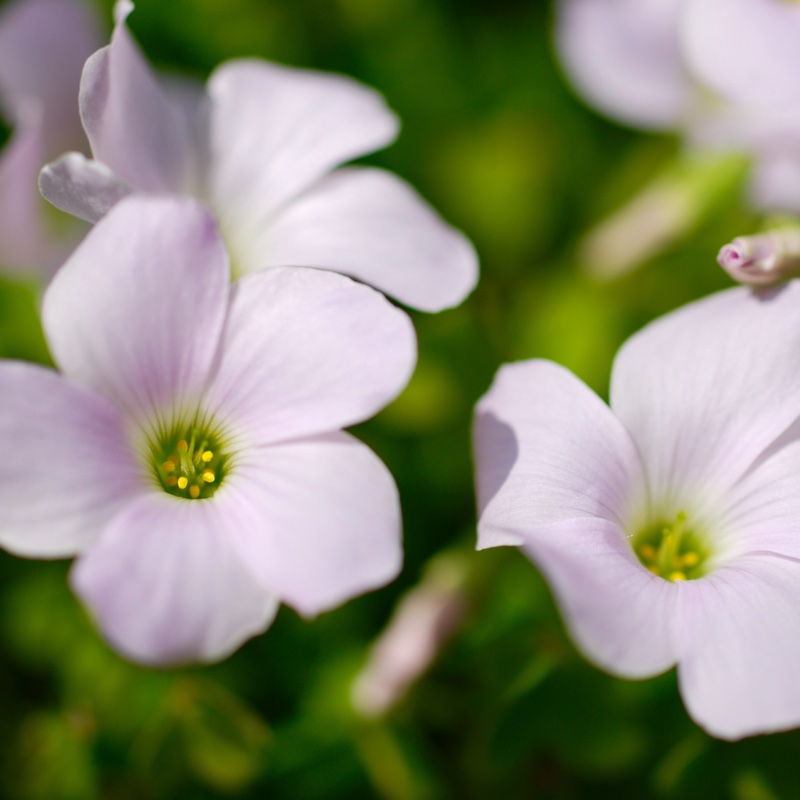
502 147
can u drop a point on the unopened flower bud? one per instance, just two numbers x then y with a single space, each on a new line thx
764 259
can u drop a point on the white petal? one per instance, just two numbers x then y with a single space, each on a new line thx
136 312
27 244
166 585
369 224
306 351
740 644
324 520
623 56
83 188
276 130
745 49
132 126
43 44
548 449
705 389
621 616
66 467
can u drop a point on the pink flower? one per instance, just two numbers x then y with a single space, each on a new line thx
43 45
669 524
721 72
189 452
258 147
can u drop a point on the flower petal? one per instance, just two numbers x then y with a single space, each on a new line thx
136 312
369 224
43 44
706 388
166 585
66 466
86 189
305 352
620 615
324 520
26 241
132 126
745 49
548 449
274 131
623 56
740 643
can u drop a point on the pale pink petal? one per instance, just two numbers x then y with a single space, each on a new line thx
43 44
81 187
306 351
369 224
623 56
132 126
739 632
166 585
762 510
706 388
548 449
136 312
323 520
747 50
775 182
276 130
27 243
66 468
620 615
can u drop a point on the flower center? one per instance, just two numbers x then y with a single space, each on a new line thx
190 462
671 550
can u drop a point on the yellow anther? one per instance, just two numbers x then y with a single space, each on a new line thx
677 576
648 552
183 482
174 459
169 466
171 480
690 559
182 446
208 476
194 492
207 456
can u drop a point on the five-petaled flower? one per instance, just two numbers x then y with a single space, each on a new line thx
258 147
190 451
669 524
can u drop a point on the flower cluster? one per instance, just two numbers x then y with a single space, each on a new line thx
190 451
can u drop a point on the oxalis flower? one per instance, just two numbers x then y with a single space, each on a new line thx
43 45
258 147
668 525
189 452
719 72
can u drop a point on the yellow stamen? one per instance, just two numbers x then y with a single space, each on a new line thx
648 552
194 492
207 456
208 476
677 576
171 480
182 446
183 482
690 559
169 466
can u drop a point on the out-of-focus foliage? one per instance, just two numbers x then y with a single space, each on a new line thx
495 139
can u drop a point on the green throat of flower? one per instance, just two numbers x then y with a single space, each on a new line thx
672 551
190 462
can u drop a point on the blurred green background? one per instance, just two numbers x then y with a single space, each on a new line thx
495 139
